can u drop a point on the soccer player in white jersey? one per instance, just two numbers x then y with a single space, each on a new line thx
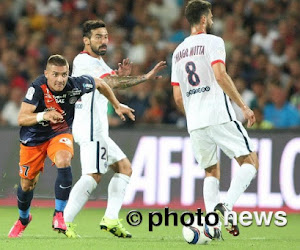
90 131
201 89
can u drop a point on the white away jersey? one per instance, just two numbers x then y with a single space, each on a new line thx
90 121
204 101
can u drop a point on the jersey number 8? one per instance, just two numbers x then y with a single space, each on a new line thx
190 69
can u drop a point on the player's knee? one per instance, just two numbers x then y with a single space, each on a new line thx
62 162
213 171
249 159
27 187
123 167
126 169
97 177
63 158
255 160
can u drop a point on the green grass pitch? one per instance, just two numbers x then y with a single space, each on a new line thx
39 234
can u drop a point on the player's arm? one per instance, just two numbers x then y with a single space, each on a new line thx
178 98
120 109
226 83
27 117
123 82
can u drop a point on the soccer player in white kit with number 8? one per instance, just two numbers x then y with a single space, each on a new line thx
201 89
90 131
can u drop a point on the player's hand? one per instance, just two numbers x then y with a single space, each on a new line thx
125 110
249 115
158 67
124 68
53 116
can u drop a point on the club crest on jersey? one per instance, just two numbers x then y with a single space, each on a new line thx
66 141
72 100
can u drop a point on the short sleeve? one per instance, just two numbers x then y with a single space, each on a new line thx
85 83
34 95
217 51
174 77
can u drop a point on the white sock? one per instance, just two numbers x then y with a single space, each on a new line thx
116 193
239 183
211 193
79 195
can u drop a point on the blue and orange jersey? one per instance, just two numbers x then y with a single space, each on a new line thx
44 99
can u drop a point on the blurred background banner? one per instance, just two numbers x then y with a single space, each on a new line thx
165 172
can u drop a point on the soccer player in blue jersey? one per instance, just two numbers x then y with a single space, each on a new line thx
46 118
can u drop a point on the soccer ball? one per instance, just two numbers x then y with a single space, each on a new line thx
195 234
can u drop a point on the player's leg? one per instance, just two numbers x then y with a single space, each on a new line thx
211 192
120 164
79 195
237 144
117 187
31 163
60 151
243 177
93 158
205 152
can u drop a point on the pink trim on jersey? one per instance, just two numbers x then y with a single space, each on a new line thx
175 83
84 52
217 61
108 74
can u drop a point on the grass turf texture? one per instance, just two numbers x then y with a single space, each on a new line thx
39 234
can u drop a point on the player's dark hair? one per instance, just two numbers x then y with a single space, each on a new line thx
195 9
57 60
90 25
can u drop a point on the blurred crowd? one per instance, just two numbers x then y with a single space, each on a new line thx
261 38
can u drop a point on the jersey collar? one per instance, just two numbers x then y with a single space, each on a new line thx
84 52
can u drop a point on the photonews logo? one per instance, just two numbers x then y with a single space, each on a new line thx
245 218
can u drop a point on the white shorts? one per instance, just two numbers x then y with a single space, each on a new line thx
96 156
231 137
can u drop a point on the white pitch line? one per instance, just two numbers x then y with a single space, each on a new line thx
258 238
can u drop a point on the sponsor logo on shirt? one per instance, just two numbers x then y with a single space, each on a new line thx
60 98
88 85
198 90
74 92
72 100
66 141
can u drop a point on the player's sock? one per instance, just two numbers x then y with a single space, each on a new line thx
116 193
239 183
24 201
63 186
211 193
79 196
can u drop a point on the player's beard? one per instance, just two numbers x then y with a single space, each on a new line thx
97 51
